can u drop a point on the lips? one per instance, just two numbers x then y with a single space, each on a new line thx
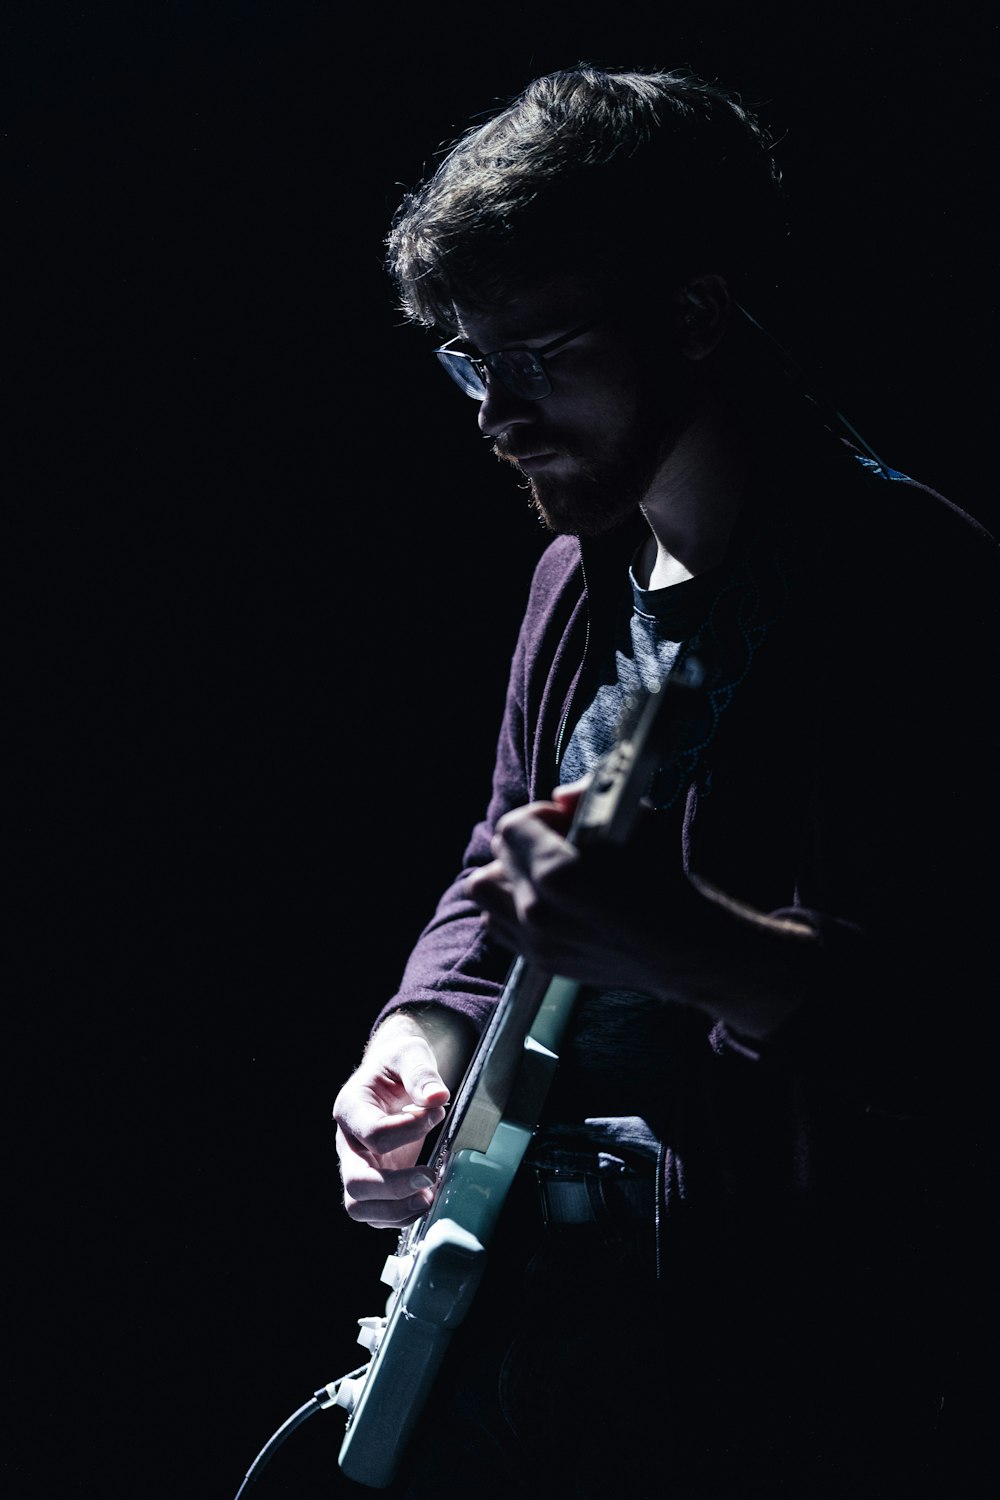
527 462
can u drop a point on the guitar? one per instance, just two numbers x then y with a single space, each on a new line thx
440 1259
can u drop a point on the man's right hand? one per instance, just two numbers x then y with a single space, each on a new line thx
386 1109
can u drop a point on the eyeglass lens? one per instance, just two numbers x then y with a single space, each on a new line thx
519 371
463 372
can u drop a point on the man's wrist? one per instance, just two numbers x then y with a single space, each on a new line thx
449 1034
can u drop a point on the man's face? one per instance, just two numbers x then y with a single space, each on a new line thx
620 396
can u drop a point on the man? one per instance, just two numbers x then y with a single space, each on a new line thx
728 1266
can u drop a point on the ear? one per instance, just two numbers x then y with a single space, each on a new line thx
701 315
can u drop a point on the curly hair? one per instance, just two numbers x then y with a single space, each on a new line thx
623 179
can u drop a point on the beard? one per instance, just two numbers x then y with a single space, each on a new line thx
599 496
603 489
608 477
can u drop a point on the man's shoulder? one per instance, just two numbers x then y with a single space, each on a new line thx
920 569
559 560
918 520
904 489
887 513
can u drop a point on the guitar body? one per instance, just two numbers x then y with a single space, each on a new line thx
441 1258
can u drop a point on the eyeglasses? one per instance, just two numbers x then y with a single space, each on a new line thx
521 372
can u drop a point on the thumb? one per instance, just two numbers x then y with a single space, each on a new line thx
419 1075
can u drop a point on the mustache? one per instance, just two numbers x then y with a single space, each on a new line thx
510 451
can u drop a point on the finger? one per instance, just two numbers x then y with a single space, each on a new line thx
531 848
367 1184
568 796
384 1214
488 886
382 1196
376 1133
556 815
568 800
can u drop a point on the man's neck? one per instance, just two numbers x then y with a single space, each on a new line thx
693 502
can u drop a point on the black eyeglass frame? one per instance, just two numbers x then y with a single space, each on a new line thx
532 383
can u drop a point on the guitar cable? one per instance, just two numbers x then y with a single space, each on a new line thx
320 1400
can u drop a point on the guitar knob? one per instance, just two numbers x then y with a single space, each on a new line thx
348 1393
396 1270
371 1330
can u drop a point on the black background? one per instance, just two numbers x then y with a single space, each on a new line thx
265 583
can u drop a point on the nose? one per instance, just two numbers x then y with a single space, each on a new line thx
499 410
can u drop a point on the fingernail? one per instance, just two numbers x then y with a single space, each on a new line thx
421 1180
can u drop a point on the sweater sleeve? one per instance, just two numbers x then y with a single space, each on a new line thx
453 963
884 951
